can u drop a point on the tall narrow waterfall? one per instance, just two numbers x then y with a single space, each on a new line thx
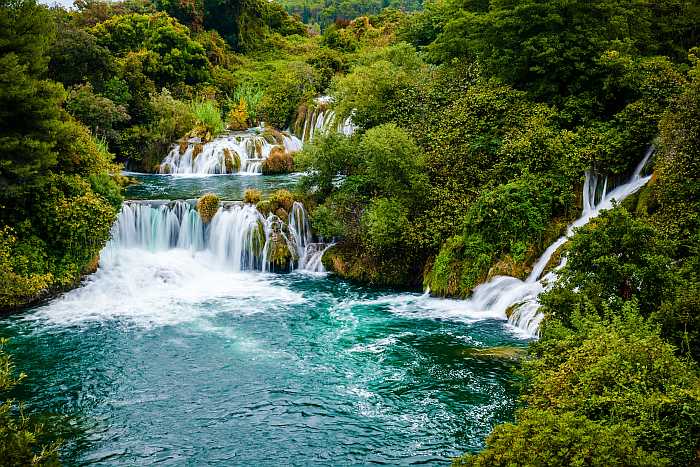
504 292
239 237
237 152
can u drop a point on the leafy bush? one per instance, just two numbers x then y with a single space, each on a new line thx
327 157
543 438
278 162
392 163
208 117
207 206
326 223
252 195
104 118
282 199
293 83
385 223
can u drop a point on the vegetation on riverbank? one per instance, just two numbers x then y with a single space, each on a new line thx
475 123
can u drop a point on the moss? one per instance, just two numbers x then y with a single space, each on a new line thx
389 271
232 161
207 206
278 162
280 257
508 266
264 207
555 260
252 196
282 199
282 214
272 136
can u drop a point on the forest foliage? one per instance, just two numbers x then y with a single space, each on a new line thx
475 124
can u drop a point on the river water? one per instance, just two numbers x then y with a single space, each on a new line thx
170 357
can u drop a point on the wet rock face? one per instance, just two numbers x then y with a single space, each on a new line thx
281 251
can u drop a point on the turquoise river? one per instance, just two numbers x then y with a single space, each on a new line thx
170 357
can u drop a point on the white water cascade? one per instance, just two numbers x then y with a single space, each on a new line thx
322 119
504 292
238 237
237 152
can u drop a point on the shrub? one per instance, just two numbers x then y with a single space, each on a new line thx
546 439
237 117
282 199
392 163
326 223
252 195
385 223
265 207
208 206
278 162
208 116
100 114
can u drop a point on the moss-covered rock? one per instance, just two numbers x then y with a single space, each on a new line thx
278 162
207 206
282 214
232 161
389 271
183 144
281 254
282 199
197 150
507 266
264 207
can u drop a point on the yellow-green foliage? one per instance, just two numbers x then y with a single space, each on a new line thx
17 289
207 206
265 207
282 199
237 118
252 195
19 436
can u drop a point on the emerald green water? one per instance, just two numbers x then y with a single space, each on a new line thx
170 357
228 187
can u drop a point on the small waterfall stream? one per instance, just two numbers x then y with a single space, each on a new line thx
504 292
239 237
321 119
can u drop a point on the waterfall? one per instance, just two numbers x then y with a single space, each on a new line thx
237 152
310 253
238 237
320 119
504 293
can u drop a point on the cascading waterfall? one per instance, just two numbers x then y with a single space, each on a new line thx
502 293
237 152
310 253
238 237
320 119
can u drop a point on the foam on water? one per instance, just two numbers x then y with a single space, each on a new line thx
147 288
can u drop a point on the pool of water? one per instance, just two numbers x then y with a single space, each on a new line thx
227 187
172 357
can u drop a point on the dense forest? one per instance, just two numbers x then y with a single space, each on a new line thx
476 122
